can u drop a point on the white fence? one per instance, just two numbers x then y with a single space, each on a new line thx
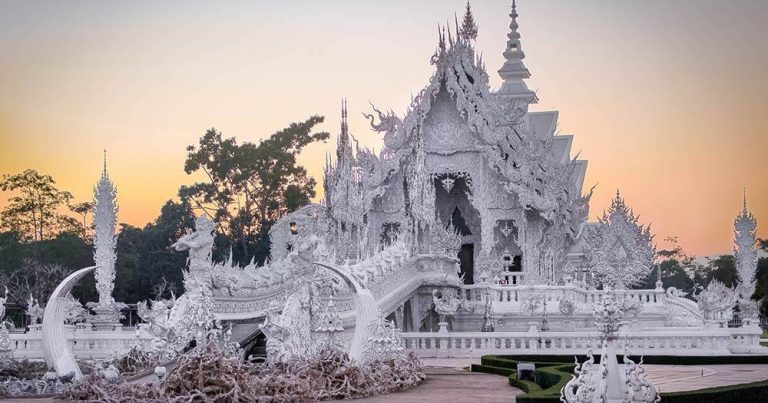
670 341
85 343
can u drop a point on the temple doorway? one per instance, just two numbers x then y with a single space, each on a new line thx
467 263
453 202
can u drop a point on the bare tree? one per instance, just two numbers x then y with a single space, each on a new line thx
162 287
34 278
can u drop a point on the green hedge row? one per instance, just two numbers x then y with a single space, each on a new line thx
490 369
551 377
744 393
648 359
506 362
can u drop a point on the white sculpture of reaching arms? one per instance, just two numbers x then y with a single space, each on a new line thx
2 304
199 244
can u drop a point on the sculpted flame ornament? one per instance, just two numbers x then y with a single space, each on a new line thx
716 301
446 301
620 251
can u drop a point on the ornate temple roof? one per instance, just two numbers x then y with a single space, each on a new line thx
522 147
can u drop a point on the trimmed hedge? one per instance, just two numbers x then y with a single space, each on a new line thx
744 393
552 376
647 359
552 380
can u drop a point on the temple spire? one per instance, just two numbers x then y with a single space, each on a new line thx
104 242
744 205
468 29
104 172
343 141
513 72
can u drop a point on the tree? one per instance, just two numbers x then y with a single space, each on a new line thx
675 265
36 278
83 210
761 276
250 185
34 211
722 268
38 267
145 257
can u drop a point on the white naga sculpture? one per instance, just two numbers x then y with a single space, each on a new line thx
620 251
607 382
716 301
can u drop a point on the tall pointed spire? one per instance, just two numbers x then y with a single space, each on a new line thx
104 240
513 72
745 253
744 205
468 29
343 141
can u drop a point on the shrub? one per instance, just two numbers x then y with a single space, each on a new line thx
551 377
748 392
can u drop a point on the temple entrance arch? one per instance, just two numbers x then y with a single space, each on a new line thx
453 205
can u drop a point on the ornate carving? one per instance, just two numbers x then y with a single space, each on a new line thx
619 250
716 301
746 256
104 239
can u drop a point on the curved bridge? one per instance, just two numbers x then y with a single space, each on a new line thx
383 295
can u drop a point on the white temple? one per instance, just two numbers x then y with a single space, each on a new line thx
471 220
468 231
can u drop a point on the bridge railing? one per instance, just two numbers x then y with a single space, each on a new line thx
679 341
509 296
85 343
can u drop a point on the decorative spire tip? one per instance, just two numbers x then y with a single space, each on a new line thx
104 172
744 205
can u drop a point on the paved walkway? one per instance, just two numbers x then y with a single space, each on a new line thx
449 384
446 380
677 378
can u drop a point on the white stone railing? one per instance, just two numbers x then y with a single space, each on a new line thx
86 344
390 290
673 341
507 296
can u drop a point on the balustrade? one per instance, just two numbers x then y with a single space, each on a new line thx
690 342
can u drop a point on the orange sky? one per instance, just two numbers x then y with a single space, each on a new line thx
666 99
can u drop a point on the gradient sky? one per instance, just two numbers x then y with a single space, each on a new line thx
667 99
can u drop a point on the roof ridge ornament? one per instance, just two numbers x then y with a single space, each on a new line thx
468 30
514 71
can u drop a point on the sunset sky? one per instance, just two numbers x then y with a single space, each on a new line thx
666 99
